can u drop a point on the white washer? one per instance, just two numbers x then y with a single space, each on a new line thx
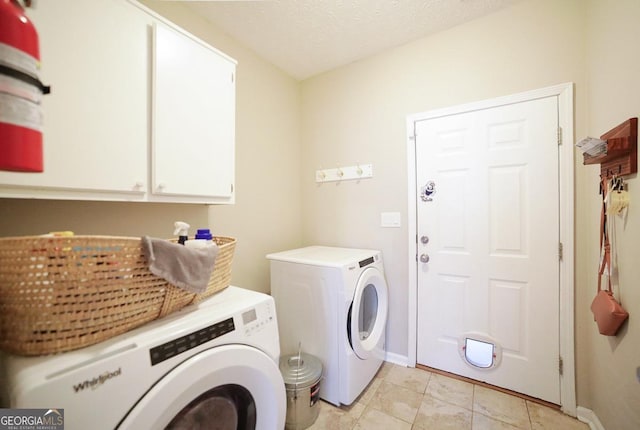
215 362
332 303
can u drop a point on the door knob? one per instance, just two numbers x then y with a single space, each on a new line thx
424 239
424 258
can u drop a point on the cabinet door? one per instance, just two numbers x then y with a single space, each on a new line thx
95 56
193 118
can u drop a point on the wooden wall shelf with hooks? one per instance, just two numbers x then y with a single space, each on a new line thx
621 158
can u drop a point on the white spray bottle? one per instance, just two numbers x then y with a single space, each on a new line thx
182 230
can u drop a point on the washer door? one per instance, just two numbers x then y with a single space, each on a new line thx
368 314
226 387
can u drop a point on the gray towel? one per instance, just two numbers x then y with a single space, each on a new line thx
187 268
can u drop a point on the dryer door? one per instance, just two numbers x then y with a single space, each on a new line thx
226 387
368 315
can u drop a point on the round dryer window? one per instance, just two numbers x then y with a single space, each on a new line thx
228 407
368 314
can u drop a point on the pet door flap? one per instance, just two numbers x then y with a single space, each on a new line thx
478 353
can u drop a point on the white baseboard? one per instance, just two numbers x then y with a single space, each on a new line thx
588 416
400 360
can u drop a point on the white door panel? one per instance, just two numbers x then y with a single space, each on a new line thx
493 229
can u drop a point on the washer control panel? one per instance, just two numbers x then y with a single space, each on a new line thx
256 319
170 349
366 262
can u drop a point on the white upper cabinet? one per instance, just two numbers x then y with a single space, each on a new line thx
96 122
108 135
193 117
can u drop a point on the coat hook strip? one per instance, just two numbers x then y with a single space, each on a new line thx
357 172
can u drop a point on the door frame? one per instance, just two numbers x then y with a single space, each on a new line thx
564 92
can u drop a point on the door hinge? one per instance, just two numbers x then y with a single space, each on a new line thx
560 365
560 251
559 136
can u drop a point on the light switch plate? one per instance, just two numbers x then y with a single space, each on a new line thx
390 219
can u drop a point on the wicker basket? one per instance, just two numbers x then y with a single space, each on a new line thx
63 293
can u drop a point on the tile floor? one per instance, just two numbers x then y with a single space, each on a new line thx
401 398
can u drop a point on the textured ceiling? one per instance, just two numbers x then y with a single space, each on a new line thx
307 37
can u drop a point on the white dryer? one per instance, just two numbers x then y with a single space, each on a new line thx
214 364
332 303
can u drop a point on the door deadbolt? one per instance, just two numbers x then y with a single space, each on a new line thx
424 239
424 258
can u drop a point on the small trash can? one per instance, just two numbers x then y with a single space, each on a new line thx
301 373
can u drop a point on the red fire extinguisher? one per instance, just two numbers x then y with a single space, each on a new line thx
20 91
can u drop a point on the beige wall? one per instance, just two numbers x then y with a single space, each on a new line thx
358 114
613 42
266 216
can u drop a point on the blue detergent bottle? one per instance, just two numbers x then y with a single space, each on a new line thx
202 238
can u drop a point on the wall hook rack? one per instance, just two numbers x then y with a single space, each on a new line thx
621 157
348 173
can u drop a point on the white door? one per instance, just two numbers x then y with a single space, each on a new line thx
488 224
